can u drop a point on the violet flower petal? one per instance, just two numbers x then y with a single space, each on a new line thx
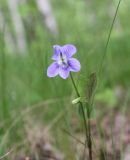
64 72
74 65
57 50
52 70
69 50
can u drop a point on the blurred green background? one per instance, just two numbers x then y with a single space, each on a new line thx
23 80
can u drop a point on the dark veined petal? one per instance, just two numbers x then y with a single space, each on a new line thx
74 65
52 70
64 72
69 50
57 50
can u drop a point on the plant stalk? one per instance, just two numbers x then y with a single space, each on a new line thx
89 133
86 123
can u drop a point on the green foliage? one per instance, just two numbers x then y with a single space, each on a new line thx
84 23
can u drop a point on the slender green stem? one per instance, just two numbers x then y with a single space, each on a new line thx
75 87
107 43
71 135
108 39
89 132
84 117
81 104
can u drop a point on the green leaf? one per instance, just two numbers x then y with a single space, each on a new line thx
92 82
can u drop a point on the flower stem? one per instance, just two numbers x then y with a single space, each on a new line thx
87 127
89 133
72 79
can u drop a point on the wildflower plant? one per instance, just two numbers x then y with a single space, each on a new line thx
64 64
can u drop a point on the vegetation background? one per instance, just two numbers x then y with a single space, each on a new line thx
29 100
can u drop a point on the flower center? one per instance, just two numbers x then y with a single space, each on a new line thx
62 61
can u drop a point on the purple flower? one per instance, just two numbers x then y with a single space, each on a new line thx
63 62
